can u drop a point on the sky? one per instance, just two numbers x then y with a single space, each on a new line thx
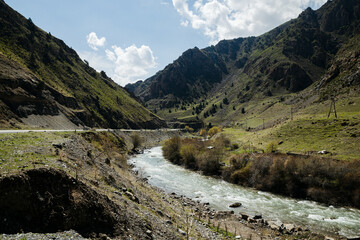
131 40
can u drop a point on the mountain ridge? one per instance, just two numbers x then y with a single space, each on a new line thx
288 59
42 77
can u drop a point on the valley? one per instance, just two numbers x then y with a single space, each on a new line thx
249 138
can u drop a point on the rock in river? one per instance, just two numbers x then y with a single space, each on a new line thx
235 205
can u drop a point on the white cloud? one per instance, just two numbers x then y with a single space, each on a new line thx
122 65
184 23
131 63
226 19
97 61
94 42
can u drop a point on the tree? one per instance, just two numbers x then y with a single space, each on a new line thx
226 101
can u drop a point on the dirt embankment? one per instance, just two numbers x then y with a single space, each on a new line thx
90 190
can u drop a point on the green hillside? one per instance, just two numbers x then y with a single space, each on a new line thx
41 75
219 83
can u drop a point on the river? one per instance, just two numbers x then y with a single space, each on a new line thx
220 194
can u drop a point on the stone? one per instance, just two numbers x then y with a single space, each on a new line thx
235 205
132 197
118 193
251 220
323 152
244 216
182 232
329 238
290 228
275 225
58 145
160 213
258 216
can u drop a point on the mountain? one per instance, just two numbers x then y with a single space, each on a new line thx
44 83
303 53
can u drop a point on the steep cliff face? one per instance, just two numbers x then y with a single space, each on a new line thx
41 76
288 59
190 76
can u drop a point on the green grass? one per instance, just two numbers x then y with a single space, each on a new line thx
28 150
305 134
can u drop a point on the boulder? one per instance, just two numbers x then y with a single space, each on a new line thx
244 217
182 232
258 216
278 226
235 205
290 228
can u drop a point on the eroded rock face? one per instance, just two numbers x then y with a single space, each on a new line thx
43 200
292 77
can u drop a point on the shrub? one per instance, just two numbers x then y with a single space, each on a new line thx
214 130
222 142
271 147
242 175
171 149
203 133
238 161
187 153
136 140
234 146
209 162
189 129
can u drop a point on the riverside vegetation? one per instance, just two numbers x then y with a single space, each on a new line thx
54 182
322 179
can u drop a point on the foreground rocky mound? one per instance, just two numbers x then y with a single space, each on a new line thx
48 200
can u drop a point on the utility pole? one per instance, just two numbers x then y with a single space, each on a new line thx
332 103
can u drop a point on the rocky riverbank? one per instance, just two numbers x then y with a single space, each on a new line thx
81 181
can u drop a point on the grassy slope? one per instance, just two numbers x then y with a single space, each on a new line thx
309 130
60 68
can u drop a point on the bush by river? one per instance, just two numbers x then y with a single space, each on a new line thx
301 176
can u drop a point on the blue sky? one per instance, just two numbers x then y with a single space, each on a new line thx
133 39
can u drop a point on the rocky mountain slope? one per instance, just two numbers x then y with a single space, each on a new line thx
44 83
290 58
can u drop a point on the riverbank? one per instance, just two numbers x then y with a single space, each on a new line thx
94 164
68 181
325 180
221 194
